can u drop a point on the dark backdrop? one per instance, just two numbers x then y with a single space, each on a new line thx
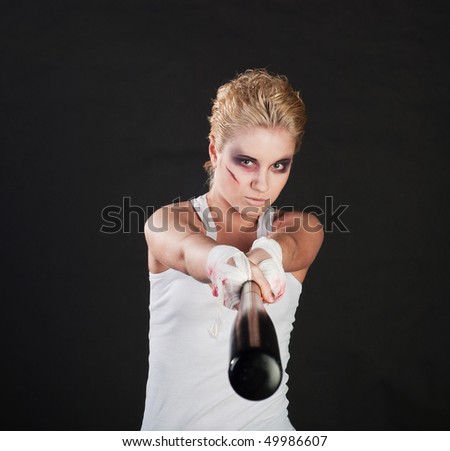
107 100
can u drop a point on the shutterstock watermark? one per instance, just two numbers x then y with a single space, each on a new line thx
128 218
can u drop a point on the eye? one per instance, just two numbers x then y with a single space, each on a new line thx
279 166
282 165
245 162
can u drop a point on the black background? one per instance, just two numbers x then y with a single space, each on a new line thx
106 100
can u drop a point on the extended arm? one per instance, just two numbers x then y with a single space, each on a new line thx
300 236
174 241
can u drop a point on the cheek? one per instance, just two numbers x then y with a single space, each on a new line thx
231 174
235 175
278 183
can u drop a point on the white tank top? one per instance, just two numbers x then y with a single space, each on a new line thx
188 386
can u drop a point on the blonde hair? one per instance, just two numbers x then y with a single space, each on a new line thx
255 98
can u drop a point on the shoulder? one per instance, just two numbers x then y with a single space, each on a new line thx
177 216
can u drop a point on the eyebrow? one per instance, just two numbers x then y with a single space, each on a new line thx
281 160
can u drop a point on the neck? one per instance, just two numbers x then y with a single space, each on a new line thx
224 213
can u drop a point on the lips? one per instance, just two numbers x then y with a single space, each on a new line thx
255 201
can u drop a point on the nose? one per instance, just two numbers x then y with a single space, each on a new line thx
260 183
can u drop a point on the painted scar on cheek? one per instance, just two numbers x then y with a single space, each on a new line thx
232 175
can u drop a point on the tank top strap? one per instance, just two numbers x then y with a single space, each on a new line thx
202 209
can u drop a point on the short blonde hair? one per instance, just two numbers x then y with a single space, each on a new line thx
255 98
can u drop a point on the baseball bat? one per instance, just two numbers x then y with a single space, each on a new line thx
255 365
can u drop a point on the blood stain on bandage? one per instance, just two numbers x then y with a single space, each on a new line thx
279 295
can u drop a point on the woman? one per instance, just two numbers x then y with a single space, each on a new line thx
201 251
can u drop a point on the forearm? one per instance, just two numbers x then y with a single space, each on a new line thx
194 251
293 260
301 243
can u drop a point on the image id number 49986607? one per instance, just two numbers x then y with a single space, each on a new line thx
290 440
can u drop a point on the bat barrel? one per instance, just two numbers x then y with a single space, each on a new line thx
255 365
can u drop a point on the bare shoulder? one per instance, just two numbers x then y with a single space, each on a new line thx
179 216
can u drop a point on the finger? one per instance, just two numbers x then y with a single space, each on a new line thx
266 290
258 255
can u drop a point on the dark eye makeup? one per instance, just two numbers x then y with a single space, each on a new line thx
247 162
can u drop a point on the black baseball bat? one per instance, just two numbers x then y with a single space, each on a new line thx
255 365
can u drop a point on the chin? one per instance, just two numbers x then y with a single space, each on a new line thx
252 211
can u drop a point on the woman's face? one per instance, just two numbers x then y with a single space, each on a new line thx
253 168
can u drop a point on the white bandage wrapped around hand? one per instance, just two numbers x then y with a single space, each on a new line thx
226 278
272 268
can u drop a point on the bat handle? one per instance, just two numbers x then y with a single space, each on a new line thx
255 366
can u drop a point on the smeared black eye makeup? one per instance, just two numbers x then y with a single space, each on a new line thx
244 161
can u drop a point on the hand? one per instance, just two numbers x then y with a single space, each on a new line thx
256 257
228 269
267 255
